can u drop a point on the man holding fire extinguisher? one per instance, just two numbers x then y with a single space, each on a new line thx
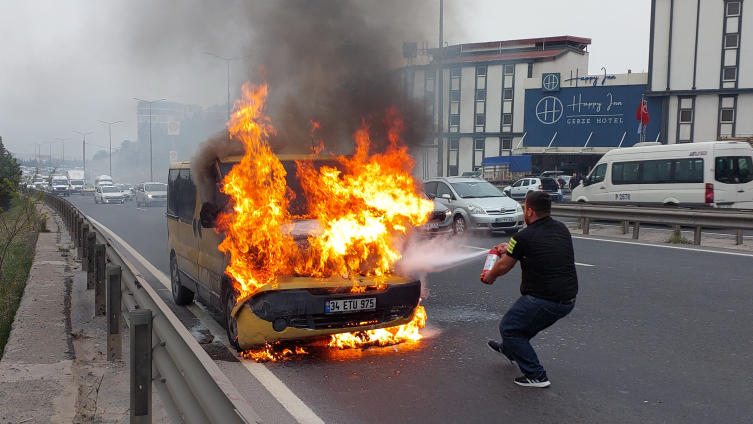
548 288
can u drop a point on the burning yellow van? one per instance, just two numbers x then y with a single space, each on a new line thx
287 306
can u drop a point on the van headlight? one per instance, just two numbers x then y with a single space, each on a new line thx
149 196
518 208
475 209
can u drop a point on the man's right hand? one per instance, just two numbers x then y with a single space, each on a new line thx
502 248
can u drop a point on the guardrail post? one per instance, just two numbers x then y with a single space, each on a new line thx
91 240
739 237
586 224
636 230
625 227
141 366
80 239
114 341
100 289
697 238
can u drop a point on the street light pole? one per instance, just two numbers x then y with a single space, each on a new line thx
151 154
62 140
228 75
440 109
109 130
84 157
36 156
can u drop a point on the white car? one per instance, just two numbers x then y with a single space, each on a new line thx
108 194
151 193
126 191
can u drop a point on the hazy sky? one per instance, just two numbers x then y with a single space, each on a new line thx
65 65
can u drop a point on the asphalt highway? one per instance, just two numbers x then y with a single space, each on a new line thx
659 334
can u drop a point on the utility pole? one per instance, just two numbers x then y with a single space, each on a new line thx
151 149
440 79
109 130
84 157
50 157
62 140
228 75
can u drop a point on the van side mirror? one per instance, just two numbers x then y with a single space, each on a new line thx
208 215
446 196
585 182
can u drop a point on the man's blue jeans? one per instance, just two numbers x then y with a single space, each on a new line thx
526 318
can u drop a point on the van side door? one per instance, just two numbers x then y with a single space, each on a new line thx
187 251
598 184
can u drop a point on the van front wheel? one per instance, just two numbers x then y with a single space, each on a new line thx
181 295
231 324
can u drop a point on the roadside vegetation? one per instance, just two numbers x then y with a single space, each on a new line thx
677 238
20 222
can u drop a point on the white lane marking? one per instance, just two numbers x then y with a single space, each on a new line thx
295 406
141 209
664 247
482 248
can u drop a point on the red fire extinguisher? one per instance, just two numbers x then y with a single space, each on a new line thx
491 259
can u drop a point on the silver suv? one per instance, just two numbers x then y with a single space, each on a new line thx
476 204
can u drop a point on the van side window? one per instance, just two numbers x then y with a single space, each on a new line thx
626 173
186 197
656 172
172 192
599 173
733 169
688 171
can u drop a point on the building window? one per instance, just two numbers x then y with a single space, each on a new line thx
480 99
731 44
530 70
685 119
452 158
455 99
729 74
478 152
508 97
733 8
505 145
730 41
727 116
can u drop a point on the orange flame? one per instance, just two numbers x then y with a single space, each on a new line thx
318 146
364 213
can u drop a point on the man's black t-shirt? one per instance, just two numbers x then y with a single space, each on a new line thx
546 255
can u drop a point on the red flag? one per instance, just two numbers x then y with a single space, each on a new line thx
642 114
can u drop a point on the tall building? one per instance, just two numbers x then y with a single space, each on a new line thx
701 69
525 97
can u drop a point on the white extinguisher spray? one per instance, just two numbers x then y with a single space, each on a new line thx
491 259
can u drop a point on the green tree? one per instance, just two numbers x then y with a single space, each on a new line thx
10 176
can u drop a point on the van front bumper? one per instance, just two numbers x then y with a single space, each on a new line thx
297 314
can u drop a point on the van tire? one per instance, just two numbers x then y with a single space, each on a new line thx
230 324
181 295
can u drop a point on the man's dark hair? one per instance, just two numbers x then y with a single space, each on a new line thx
540 202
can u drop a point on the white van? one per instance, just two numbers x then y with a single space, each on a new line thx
103 180
716 174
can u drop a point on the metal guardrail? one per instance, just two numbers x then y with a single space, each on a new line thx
697 218
190 385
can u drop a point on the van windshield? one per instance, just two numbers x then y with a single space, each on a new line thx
734 169
298 206
476 190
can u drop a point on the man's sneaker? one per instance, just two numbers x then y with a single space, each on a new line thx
541 381
497 347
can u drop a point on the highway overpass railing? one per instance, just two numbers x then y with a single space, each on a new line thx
732 219
190 385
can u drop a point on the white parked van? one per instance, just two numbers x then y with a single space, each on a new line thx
717 174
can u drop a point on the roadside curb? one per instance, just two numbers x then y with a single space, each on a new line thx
36 376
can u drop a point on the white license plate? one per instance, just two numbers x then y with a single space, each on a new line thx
430 226
350 305
505 220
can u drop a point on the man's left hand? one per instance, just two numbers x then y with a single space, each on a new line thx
488 277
